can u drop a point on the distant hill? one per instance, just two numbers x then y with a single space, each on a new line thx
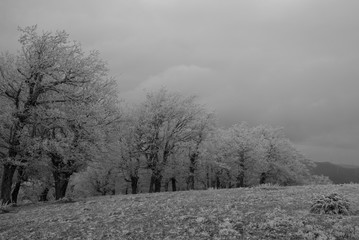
337 173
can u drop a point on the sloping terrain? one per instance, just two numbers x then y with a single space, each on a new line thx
255 213
339 174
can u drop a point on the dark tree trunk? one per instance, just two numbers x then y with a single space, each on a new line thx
158 182
61 182
213 178
19 180
229 179
15 191
192 169
166 185
213 182
152 184
263 178
207 178
174 184
18 125
190 182
43 195
240 179
218 183
241 170
6 182
9 169
134 184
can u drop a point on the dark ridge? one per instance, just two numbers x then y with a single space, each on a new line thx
339 174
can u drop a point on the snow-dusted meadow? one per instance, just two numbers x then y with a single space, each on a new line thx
267 212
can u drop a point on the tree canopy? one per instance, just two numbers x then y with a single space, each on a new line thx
62 124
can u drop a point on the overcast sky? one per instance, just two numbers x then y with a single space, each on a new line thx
289 63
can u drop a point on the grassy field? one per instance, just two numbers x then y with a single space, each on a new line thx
255 213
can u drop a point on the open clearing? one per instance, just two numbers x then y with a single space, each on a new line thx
247 213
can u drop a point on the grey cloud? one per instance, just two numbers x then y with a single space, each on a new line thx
286 63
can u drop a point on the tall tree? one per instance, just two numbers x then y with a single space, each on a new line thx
234 156
130 157
284 164
89 129
205 125
166 121
243 153
47 73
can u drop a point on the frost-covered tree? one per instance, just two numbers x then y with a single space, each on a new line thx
236 155
243 156
130 159
195 148
284 164
85 134
166 121
44 86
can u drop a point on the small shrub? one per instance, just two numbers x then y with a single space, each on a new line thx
331 204
65 200
5 208
268 186
319 180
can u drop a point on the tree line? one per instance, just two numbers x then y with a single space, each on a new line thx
62 121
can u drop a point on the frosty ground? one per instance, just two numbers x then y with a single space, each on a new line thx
268 212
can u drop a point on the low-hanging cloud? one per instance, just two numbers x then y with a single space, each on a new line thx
285 63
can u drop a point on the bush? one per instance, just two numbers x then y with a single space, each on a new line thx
319 180
331 204
268 186
65 200
5 208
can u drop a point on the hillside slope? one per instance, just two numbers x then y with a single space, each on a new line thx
253 213
337 173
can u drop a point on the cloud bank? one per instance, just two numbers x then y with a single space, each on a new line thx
290 63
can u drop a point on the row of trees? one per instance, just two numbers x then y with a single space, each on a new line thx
61 115
171 142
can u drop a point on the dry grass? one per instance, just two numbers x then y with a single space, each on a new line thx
255 213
